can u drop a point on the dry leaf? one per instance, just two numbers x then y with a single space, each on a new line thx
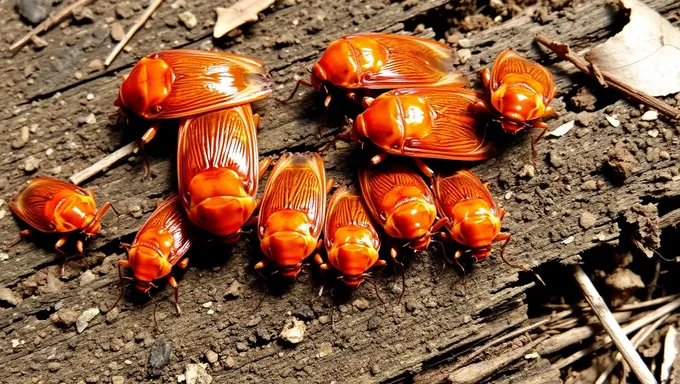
238 14
645 54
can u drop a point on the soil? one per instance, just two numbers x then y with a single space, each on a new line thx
58 118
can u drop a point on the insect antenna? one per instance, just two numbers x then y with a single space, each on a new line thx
517 266
155 307
377 290
122 287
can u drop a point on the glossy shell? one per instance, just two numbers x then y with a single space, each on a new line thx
430 123
400 201
385 61
52 205
520 89
292 211
217 167
178 83
161 242
474 219
351 240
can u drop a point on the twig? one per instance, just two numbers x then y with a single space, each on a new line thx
474 373
622 308
637 340
612 327
563 51
105 163
574 336
513 334
672 218
670 353
628 328
48 23
116 50
651 287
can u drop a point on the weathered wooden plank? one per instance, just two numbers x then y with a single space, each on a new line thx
441 312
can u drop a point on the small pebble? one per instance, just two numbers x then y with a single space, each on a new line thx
325 349
464 55
83 14
7 297
527 171
53 366
555 159
117 32
90 96
587 220
188 19
207 304
34 11
49 152
78 75
293 331
650 115
508 195
117 380
95 65
31 164
86 278
211 356
361 304
196 374
589 185
158 358
4 256
112 315
124 11
230 362
614 122
91 119
233 291
653 132
85 318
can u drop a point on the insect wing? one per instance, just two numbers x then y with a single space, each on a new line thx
456 132
170 215
509 62
348 208
222 139
460 186
377 181
208 81
411 61
297 182
30 203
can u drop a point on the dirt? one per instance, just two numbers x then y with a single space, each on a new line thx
349 336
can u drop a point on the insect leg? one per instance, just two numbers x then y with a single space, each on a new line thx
393 254
183 263
62 240
173 284
297 85
23 233
535 140
148 136
256 120
486 77
263 166
375 160
121 264
457 256
79 247
427 171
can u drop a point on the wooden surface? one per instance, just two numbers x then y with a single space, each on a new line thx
443 314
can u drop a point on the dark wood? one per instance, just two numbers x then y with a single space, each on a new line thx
443 314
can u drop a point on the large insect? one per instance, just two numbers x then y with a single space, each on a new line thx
520 90
159 245
218 171
55 206
352 242
472 217
370 63
401 202
424 123
179 83
292 212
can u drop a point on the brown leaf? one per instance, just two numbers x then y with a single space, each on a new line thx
645 54
238 14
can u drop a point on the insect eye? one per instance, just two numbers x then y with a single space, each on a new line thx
156 109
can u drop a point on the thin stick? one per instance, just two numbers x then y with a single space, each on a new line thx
637 340
515 333
623 308
48 23
563 51
670 353
612 327
105 163
132 31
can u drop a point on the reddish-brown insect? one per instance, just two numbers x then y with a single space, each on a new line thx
425 122
472 217
520 90
159 245
352 242
217 167
378 62
292 212
179 83
401 202
55 206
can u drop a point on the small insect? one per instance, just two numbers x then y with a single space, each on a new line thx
375 62
218 171
472 217
179 83
352 242
401 202
292 212
159 245
424 123
520 90
55 206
